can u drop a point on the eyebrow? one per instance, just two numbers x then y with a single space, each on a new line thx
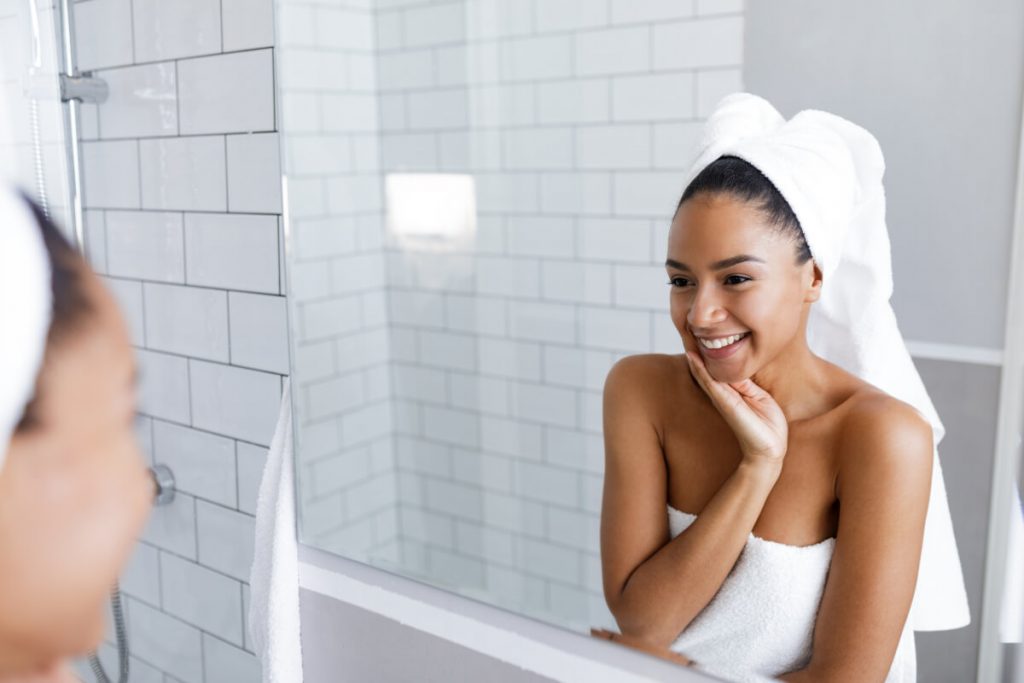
718 265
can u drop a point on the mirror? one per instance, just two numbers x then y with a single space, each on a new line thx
478 202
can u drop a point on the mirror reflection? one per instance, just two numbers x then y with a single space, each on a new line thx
508 290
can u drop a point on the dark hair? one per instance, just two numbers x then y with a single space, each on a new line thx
739 178
71 304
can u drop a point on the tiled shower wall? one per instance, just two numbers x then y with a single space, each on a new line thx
182 198
576 120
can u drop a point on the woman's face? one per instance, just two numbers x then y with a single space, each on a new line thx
74 494
765 296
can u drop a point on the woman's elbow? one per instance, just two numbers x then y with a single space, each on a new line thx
640 622
819 672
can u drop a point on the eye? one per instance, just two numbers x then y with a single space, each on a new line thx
732 279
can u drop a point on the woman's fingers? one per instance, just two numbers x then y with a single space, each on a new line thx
707 382
640 644
751 390
750 411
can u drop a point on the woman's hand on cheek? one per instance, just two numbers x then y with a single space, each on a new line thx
754 416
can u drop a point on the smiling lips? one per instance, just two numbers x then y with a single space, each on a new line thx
722 347
720 342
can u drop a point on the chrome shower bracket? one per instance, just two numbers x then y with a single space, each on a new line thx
83 88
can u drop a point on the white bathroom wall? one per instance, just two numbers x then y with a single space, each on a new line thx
183 203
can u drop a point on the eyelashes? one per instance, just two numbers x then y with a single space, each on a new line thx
742 279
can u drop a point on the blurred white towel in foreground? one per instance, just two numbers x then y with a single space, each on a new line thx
274 578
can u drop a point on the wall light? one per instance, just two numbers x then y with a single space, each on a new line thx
439 205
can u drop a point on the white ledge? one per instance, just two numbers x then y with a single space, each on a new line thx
531 644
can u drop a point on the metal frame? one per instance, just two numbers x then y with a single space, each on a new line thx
71 124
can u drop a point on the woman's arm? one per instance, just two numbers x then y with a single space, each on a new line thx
655 586
883 485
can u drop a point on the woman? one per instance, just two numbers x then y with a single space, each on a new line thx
796 491
74 490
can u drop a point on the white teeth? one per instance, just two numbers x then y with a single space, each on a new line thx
719 343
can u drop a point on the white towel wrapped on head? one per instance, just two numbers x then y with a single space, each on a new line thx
26 308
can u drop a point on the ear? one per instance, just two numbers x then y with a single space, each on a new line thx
814 288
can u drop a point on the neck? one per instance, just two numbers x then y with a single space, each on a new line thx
796 379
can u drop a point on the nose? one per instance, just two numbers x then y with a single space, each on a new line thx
704 311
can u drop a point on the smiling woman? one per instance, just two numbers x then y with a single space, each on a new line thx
741 475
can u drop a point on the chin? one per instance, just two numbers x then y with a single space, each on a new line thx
727 374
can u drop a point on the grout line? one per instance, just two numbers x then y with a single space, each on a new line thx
160 579
138 169
191 285
185 136
188 380
227 312
227 192
195 522
163 60
177 101
131 27
184 248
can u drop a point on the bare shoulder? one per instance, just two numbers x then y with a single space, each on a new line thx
643 374
883 436
872 413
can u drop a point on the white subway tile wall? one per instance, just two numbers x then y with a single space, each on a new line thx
183 203
471 400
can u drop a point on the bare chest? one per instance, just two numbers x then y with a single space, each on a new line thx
701 453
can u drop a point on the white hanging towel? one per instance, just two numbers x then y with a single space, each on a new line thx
274 578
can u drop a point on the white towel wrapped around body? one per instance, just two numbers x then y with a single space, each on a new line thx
760 624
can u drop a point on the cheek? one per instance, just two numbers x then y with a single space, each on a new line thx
677 311
74 517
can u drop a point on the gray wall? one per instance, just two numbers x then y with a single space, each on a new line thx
967 398
939 84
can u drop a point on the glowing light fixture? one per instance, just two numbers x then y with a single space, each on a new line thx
440 205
